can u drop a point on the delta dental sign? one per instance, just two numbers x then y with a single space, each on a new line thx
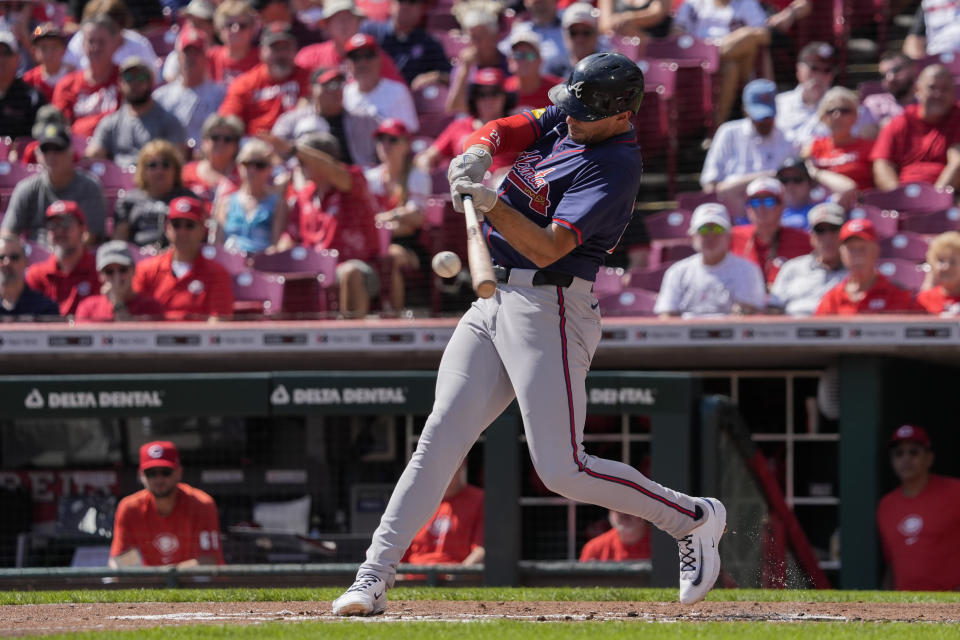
137 399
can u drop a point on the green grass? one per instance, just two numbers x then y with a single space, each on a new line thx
508 630
598 594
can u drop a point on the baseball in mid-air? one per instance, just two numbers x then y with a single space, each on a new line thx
446 264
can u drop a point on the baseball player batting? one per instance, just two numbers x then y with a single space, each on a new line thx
562 208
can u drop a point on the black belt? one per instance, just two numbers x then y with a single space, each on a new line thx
552 278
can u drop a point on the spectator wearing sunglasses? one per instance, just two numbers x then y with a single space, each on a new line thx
70 274
898 73
325 112
17 299
49 46
840 158
141 213
480 23
542 17
581 38
19 101
713 281
168 522
196 16
942 296
117 299
369 93
864 290
341 21
800 193
216 170
922 144
797 110
417 54
804 280
182 279
274 86
634 18
122 134
765 241
252 218
236 24
58 179
918 521
528 83
191 97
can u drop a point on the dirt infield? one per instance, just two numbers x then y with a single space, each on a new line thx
27 620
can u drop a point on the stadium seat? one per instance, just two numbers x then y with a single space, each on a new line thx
697 65
35 252
111 176
309 277
668 225
649 279
628 302
690 200
673 252
656 120
885 221
257 293
609 280
233 262
913 198
906 273
430 101
932 223
905 245
10 175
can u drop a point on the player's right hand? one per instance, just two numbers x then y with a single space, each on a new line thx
472 164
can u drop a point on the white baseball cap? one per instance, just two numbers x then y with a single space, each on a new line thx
709 213
579 13
765 185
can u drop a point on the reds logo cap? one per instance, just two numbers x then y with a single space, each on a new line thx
910 433
66 208
187 208
359 41
160 453
858 228
392 127
488 77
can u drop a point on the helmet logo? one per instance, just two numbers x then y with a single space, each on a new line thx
577 89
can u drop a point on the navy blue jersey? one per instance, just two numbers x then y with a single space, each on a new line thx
590 190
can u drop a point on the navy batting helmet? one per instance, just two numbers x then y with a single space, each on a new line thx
601 85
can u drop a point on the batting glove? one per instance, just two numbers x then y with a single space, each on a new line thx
472 164
484 198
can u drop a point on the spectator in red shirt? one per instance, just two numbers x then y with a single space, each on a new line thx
841 153
168 521
919 521
117 299
341 20
69 275
87 95
49 45
454 535
528 83
765 241
236 24
188 285
943 256
334 210
922 144
864 290
260 95
217 167
627 539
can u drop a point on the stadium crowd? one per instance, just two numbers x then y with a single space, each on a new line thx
288 156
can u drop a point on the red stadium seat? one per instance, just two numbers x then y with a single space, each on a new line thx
690 200
310 277
932 223
656 120
628 302
905 245
257 293
668 225
914 198
609 280
111 176
906 273
886 222
10 175
649 279
233 262
35 252
430 101
697 65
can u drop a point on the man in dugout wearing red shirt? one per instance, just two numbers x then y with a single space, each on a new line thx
188 285
117 299
70 273
864 290
627 539
919 521
168 521
274 86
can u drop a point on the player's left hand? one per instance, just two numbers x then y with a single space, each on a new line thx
484 198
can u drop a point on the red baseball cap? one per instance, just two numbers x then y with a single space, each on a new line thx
323 75
392 127
359 41
66 208
910 433
190 36
187 208
160 453
488 77
858 228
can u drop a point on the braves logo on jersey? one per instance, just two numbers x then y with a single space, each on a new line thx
528 179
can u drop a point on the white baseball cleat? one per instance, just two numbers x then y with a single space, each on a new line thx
699 552
366 597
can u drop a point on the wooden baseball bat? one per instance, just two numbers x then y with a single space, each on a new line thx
478 256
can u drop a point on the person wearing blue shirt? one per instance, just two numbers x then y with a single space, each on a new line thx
17 300
419 57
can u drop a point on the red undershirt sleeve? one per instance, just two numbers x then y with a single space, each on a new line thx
512 134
